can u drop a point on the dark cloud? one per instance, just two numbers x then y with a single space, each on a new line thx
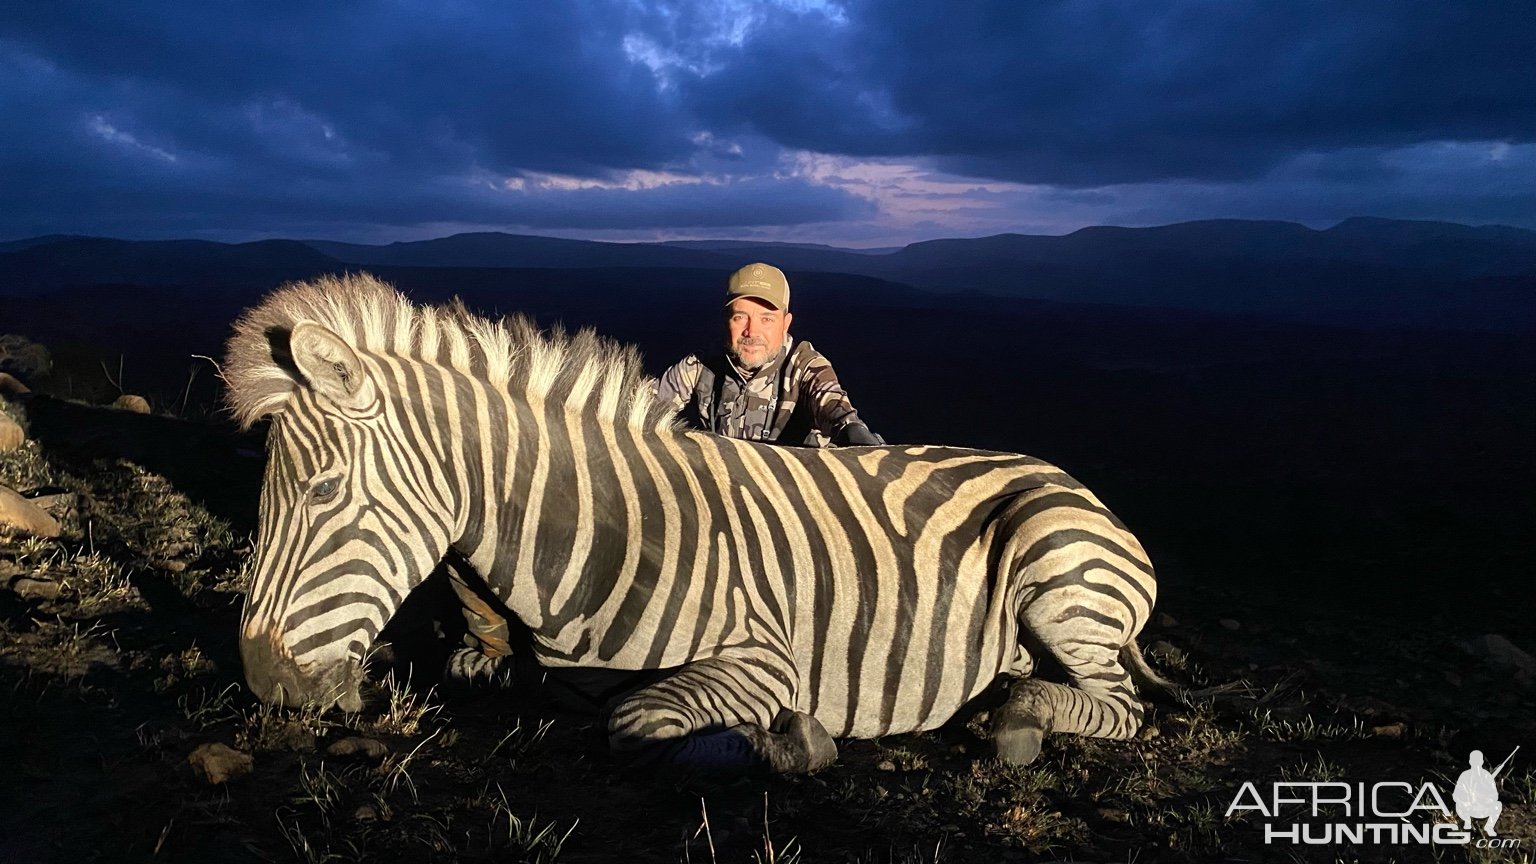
154 121
1091 93
397 91
544 87
339 119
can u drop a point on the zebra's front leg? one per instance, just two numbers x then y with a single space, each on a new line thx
1101 705
725 713
484 661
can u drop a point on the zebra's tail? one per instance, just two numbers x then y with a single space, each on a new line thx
1148 681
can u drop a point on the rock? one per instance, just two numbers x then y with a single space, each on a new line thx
366 813
1165 651
1370 706
1229 624
1111 814
363 748
1165 620
1390 730
35 589
130 402
58 504
21 513
1502 654
24 357
1452 678
10 388
1148 733
886 765
218 763
11 434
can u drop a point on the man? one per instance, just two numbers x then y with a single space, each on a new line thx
765 386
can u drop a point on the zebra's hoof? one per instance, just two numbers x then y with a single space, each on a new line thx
812 738
469 672
1018 745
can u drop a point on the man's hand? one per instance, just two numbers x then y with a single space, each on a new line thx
856 435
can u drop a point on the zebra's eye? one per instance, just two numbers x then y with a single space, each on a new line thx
325 490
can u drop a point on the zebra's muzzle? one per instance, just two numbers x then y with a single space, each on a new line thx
276 679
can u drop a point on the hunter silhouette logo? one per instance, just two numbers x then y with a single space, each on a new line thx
1388 812
1477 793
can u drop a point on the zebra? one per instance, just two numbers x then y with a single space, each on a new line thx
792 595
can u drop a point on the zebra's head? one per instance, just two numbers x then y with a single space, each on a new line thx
382 446
344 533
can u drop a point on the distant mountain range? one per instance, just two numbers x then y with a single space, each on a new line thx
47 264
1360 272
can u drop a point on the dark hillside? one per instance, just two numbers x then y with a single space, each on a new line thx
85 261
1361 273
519 251
29 242
1404 231
1381 273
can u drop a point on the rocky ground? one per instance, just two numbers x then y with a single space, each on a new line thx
127 733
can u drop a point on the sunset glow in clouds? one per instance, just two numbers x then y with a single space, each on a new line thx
869 124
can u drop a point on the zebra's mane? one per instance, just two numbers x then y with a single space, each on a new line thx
587 372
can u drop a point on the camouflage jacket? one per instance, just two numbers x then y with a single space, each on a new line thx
795 399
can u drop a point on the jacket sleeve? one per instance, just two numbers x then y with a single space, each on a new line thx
675 386
831 409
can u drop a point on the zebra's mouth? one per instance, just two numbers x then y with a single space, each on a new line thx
276 678
342 688
338 686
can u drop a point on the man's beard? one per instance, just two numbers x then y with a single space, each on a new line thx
735 351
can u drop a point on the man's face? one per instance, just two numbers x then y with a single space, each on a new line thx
754 331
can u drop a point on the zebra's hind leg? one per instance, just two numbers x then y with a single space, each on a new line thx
723 714
1084 588
1103 706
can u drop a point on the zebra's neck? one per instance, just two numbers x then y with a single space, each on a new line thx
558 503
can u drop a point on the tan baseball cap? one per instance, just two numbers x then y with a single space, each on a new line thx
762 281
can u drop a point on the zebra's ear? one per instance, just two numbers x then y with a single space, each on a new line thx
331 367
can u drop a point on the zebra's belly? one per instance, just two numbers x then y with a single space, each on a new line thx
913 685
904 651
